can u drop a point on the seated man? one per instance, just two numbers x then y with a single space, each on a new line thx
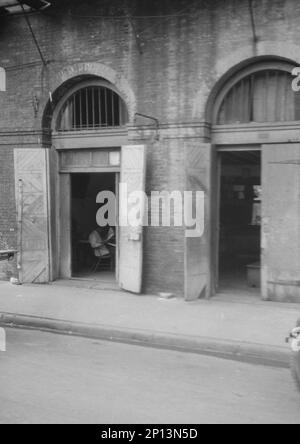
99 238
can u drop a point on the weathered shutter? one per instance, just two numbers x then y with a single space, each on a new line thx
281 222
32 208
133 173
198 164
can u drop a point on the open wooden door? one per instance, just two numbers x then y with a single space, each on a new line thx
133 177
198 271
32 208
53 211
281 222
65 216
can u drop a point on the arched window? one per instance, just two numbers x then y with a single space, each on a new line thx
261 97
92 107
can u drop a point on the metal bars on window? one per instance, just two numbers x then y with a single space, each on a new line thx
93 107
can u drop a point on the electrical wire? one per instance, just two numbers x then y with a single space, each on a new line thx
23 65
50 12
181 13
33 34
113 17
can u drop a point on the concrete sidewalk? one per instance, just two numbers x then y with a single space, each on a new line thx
226 326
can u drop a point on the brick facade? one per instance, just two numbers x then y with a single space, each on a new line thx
167 72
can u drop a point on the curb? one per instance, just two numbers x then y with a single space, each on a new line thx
225 349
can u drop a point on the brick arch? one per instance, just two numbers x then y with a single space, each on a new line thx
248 67
73 74
228 65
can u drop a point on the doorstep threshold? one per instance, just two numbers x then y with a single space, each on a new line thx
93 280
92 284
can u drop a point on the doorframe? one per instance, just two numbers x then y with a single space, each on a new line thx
219 149
117 184
64 218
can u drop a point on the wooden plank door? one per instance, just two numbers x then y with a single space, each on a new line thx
117 183
215 218
53 211
281 222
133 175
65 228
198 272
31 197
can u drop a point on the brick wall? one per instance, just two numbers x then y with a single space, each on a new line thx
181 57
171 70
164 246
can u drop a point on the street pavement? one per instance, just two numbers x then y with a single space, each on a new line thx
49 378
235 326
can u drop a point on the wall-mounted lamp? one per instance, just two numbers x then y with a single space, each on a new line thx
156 121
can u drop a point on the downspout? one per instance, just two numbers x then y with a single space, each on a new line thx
253 23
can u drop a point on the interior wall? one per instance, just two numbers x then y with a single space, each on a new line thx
85 188
240 232
84 191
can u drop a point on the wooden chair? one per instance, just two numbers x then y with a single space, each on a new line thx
106 262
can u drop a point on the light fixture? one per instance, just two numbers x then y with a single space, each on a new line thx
14 7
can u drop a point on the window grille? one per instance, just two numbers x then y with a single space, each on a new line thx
265 96
93 107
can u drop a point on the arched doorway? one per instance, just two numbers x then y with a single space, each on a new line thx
85 151
88 131
255 119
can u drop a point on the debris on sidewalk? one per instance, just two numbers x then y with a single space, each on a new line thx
166 296
15 281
